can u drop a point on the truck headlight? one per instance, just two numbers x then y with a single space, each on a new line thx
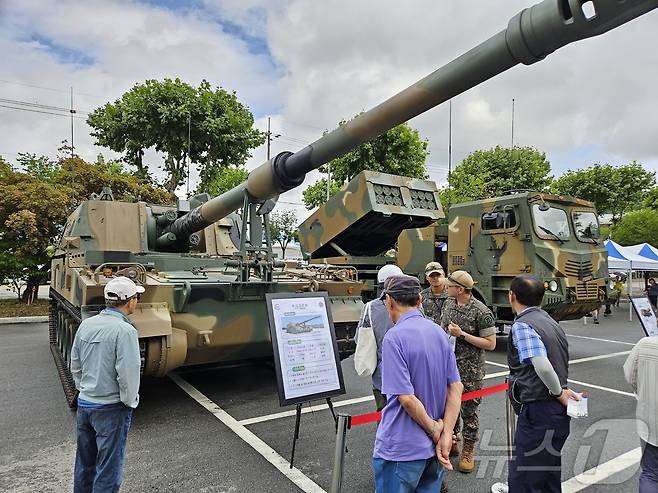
553 285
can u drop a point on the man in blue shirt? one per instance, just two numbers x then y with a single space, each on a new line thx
538 358
105 363
421 381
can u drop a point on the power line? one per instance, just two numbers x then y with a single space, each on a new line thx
39 111
49 88
42 106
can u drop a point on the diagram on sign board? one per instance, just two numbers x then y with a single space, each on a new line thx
305 350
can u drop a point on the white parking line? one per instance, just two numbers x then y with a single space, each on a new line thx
602 471
295 475
595 358
573 361
607 389
310 409
602 340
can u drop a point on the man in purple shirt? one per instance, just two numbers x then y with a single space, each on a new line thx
421 380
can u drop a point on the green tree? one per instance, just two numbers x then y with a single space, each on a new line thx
283 228
651 199
41 167
613 189
493 172
34 207
32 213
637 227
169 116
224 180
400 151
316 194
79 179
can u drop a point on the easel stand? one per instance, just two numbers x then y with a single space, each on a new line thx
298 418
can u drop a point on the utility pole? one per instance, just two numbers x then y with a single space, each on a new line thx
512 123
189 127
328 179
449 146
72 111
269 138
449 140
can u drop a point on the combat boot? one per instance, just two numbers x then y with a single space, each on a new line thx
467 458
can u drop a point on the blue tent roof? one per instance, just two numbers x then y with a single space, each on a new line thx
613 251
649 252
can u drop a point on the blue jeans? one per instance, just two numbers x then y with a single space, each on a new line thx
101 437
649 474
422 476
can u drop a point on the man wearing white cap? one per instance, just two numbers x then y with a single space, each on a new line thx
105 363
375 315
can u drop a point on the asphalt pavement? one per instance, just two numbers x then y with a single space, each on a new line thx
222 430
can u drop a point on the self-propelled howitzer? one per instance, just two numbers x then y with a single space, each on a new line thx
206 269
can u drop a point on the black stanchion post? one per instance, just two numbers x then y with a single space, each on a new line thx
510 417
339 453
298 418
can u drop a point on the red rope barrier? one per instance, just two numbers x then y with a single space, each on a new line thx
363 419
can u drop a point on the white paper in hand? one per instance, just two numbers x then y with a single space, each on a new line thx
578 409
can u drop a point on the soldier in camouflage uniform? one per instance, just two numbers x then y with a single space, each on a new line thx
472 324
435 295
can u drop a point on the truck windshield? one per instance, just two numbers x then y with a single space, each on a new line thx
586 226
550 222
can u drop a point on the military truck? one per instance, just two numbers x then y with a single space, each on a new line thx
206 271
554 238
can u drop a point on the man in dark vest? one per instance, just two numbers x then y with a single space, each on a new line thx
538 358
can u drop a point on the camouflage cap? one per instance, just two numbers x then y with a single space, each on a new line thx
459 278
399 286
433 267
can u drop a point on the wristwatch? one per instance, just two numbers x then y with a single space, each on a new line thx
462 337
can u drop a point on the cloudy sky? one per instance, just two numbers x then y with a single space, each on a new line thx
308 64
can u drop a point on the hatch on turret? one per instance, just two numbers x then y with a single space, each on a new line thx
368 215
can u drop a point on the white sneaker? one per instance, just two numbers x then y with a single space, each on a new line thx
499 488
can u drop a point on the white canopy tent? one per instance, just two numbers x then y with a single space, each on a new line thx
645 250
624 259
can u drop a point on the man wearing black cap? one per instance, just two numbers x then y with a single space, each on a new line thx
420 378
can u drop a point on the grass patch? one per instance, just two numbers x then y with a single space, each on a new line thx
11 308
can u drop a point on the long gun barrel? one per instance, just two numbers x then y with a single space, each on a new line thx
531 36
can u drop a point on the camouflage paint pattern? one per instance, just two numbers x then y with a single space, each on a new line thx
362 222
193 310
495 255
366 217
476 319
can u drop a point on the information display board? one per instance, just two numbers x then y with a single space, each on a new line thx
646 315
306 355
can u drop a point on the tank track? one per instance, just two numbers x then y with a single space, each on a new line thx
63 321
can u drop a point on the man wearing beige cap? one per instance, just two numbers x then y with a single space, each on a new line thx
472 324
105 363
435 295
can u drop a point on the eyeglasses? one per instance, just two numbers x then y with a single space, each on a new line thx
451 279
